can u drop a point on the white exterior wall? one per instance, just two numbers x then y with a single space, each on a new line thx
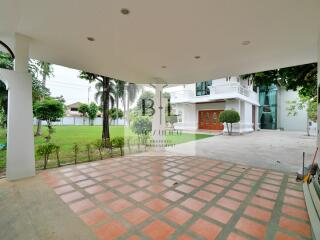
291 123
210 106
188 116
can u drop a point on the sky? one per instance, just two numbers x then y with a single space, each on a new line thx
66 82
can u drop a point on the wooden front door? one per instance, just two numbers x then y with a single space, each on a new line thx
209 119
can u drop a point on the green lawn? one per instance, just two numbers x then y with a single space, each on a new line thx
66 136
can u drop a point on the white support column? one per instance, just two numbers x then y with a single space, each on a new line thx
20 140
158 120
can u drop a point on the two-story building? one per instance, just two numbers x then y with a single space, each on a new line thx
199 105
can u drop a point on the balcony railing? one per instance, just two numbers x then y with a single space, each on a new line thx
218 91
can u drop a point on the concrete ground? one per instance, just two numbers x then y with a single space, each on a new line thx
154 197
270 149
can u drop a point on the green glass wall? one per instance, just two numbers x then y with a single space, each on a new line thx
268 107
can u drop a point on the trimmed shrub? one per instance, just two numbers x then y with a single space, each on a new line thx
118 142
141 125
76 149
45 150
99 145
229 117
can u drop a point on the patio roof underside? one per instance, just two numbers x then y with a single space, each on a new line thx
167 33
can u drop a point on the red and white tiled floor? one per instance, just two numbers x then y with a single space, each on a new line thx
177 197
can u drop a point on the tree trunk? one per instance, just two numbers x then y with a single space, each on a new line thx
39 132
39 124
228 128
117 106
105 109
124 100
308 129
231 129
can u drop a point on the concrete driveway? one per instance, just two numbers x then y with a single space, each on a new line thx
270 149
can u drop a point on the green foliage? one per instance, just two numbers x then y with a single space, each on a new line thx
172 119
83 109
302 78
57 149
75 149
3 118
92 112
89 151
115 113
39 90
40 72
99 92
141 125
49 110
69 136
229 117
312 110
118 142
310 104
45 150
6 61
99 145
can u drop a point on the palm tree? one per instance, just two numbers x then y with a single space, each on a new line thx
132 91
119 94
106 82
99 94
45 70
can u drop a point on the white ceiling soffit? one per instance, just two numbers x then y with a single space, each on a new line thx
158 40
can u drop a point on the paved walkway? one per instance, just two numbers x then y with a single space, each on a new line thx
164 197
276 150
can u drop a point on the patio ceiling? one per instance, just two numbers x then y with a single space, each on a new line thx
168 33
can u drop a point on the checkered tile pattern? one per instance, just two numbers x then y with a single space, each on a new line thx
178 197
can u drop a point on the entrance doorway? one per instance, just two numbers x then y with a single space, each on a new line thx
209 119
254 117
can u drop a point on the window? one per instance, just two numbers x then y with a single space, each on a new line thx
74 109
202 88
214 118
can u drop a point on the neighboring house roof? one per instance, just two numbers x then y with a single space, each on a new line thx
74 105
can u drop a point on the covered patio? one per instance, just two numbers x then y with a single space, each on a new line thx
155 197
155 43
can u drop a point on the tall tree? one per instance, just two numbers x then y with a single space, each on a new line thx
49 110
45 70
105 81
83 109
99 94
119 94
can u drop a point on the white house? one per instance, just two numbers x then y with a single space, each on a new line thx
198 106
